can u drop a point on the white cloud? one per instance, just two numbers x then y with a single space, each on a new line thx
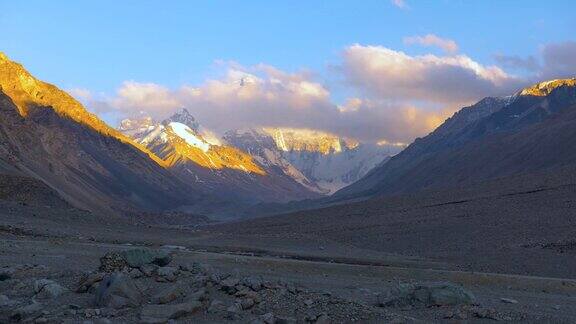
559 61
400 4
388 74
81 94
263 96
144 96
447 45
517 63
393 96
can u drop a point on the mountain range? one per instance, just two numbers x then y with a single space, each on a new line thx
530 131
177 165
258 164
168 165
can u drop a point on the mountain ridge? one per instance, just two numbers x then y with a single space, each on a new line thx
459 135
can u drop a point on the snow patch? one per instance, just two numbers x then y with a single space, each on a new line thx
188 135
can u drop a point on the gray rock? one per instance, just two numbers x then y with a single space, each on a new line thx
118 291
169 294
139 257
323 319
199 295
234 308
149 270
5 275
216 306
247 303
285 320
168 273
229 285
509 301
88 280
135 274
28 311
250 294
45 288
112 262
253 283
435 294
163 313
268 318
5 301
102 321
173 247
135 258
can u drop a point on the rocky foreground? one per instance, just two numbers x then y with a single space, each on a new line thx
146 286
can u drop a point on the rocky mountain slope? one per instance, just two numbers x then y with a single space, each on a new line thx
527 132
46 134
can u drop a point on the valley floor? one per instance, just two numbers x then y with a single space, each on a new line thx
339 278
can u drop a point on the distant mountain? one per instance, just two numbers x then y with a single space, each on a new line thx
324 162
219 169
48 135
530 131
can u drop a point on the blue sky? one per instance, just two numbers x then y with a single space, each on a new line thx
99 45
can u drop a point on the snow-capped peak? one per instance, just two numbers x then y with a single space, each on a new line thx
189 136
183 116
135 126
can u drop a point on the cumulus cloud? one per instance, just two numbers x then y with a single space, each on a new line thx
264 96
553 61
144 96
400 4
392 96
80 93
559 60
446 45
517 63
385 73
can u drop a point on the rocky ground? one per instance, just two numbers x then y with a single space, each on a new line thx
147 286
59 264
85 281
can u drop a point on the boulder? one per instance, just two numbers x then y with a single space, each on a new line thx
268 318
31 310
45 288
149 270
199 295
253 283
216 306
118 291
247 303
5 301
88 280
169 294
164 313
135 258
168 273
229 285
139 257
112 262
434 294
5 275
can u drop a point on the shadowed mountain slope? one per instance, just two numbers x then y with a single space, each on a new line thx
46 134
530 131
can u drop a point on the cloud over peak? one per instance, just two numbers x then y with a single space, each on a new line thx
387 95
386 73
447 45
